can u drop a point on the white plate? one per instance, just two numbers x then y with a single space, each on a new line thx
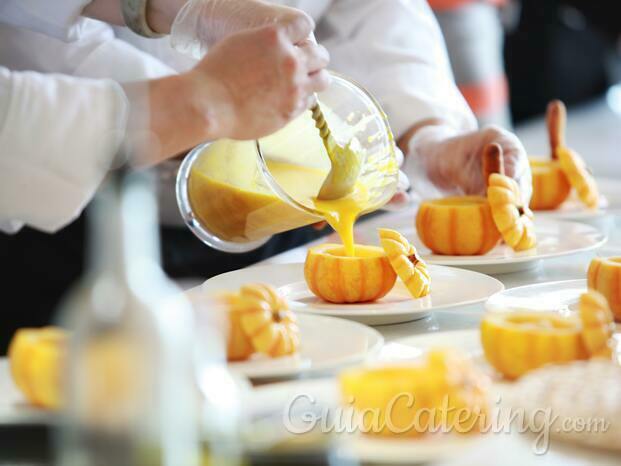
276 398
555 239
559 296
322 350
573 209
14 409
451 287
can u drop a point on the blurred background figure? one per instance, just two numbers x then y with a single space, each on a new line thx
474 37
565 49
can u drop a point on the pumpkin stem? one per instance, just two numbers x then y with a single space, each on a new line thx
492 160
414 259
556 118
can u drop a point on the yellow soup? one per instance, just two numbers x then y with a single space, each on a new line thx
229 197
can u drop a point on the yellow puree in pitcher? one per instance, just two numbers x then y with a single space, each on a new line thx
253 212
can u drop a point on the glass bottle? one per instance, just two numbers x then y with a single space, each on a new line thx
131 396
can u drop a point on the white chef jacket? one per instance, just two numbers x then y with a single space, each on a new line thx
394 48
58 133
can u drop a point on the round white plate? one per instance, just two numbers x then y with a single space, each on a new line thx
451 287
559 296
276 398
322 350
573 209
555 239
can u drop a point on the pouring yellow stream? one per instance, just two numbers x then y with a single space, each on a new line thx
226 209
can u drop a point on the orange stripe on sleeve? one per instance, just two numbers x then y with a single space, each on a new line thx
444 5
488 96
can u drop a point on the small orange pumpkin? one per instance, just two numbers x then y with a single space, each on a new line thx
337 278
604 275
266 320
37 357
457 226
515 343
424 396
473 225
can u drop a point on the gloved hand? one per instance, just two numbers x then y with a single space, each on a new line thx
442 161
401 199
200 24
254 82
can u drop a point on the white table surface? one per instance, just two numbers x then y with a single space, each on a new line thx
595 131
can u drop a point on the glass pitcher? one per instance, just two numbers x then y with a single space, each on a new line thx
234 195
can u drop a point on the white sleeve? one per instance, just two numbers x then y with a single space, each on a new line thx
95 54
58 138
395 49
56 18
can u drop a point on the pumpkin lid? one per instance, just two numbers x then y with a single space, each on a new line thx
511 217
579 176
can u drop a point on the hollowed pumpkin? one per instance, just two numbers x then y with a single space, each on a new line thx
597 324
265 319
604 275
473 225
550 184
429 395
337 278
457 226
518 342
405 261
37 357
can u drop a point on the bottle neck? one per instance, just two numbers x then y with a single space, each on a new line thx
123 225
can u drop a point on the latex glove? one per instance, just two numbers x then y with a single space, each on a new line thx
401 199
442 161
200 24
253 83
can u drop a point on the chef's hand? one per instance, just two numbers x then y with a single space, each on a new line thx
200 24
254 82
441 161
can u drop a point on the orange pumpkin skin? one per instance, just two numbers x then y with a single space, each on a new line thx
597 325
337 278
518 342
37 360
238 344
457 226
579 177
550 184
604 275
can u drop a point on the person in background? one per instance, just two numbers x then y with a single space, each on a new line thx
61 133
562 49
474 39
395 49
